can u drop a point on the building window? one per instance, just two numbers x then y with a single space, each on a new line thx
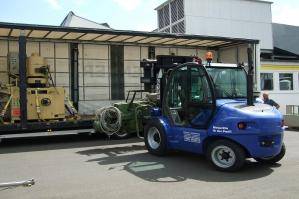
171 13
177 10
151 52
286 81
167 30
174 11
179 27
163 17
267 81
180 8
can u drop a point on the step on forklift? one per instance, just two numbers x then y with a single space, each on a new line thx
210 109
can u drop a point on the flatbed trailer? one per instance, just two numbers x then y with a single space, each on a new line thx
46 129
22 34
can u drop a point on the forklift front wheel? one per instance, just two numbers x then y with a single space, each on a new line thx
226 155
155 139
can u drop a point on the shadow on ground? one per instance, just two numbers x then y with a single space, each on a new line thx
18 145
175 167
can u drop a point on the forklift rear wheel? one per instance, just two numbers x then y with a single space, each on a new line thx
155 139
274 159
226 155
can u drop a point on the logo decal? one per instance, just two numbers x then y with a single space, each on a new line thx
191 137
217 129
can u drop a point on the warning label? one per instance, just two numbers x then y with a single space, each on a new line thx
217 129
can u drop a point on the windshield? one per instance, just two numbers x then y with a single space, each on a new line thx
229 82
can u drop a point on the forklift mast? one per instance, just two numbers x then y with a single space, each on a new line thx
156 70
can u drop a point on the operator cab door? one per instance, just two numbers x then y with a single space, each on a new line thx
189 104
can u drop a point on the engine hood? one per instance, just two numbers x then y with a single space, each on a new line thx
261 116
240 105
230 102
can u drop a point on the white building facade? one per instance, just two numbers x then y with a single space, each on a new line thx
251 19
277 72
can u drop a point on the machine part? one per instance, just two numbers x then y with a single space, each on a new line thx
3 112
274 159
25 183
37 82
71 109
38 111
45 102
155 138
37 71
37 66
138 110
226 155
131 117
50 76
13 63
109 120
15 109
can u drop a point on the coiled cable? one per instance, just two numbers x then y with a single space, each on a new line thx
109 120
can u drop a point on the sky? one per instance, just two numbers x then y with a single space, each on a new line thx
119 14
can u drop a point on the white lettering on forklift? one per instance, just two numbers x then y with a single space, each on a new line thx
217 129
191 137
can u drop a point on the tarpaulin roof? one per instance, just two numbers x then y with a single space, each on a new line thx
32 31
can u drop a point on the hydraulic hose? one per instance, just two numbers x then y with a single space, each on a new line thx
109 120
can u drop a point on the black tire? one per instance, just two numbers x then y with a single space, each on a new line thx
274 159
161 148
232 158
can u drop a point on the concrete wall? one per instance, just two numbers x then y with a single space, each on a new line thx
230 18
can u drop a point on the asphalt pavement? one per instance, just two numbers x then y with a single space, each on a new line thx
76 167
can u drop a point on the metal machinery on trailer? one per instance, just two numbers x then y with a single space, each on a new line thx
46 105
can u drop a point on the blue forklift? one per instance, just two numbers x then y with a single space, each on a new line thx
210 109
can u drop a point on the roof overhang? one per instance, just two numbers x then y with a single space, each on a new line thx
71 34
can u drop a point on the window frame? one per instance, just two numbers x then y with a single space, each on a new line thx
268 73
292 82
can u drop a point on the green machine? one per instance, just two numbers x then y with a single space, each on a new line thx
125 118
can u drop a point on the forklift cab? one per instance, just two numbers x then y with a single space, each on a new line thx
189 99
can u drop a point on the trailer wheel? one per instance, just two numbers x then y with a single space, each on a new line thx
274 159
155 139
226 155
